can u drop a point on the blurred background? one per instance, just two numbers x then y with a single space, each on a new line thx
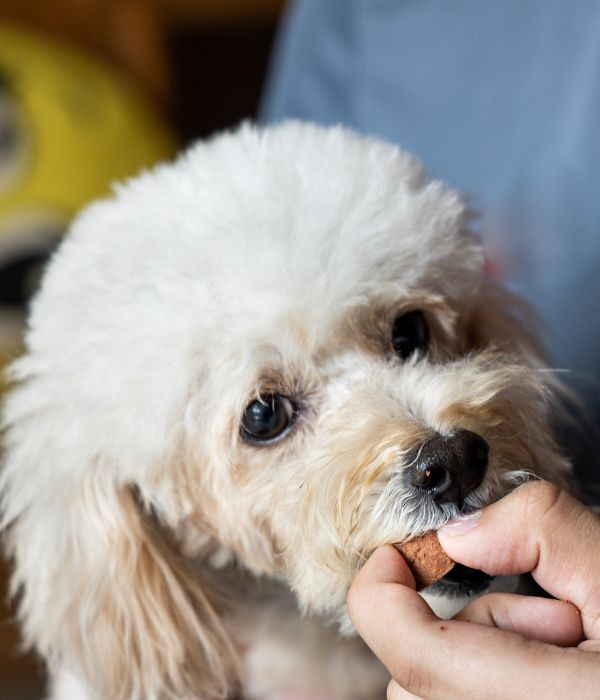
499 99
91 91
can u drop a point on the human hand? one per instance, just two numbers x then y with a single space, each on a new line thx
501 646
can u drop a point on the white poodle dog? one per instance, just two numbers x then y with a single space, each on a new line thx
245 371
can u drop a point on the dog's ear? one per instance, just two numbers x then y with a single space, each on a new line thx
102 593
503 321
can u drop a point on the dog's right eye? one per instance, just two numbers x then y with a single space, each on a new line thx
410 334
268 418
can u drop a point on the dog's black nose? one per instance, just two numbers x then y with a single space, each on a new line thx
448 467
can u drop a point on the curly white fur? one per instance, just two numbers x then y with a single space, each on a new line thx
154 549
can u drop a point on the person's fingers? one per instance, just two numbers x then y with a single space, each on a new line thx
541 529
395 692
551 621
441 660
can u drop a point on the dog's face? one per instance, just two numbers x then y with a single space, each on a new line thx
286 345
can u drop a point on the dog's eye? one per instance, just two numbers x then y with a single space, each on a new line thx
268 418
410 334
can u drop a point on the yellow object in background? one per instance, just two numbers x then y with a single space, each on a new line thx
69 127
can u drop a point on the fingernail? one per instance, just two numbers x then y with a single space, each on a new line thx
462 524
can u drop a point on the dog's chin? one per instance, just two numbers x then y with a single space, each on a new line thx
462 581
459 587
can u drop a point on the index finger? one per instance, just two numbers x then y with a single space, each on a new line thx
441 659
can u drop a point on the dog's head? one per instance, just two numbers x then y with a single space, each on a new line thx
280 350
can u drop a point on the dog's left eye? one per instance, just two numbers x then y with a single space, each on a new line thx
410 334
268 418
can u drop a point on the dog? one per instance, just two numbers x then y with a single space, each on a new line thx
246 370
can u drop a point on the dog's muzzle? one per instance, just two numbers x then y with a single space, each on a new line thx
462 581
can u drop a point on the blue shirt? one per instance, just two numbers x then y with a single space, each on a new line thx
499 99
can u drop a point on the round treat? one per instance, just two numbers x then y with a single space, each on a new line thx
426 559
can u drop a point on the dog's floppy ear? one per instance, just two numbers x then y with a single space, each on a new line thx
102 594
502 321
506 322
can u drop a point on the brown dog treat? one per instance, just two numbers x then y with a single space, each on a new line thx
426 559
